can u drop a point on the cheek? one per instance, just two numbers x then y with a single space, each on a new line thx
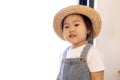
65 34
83 32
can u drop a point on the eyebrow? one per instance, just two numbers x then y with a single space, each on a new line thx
65 23
77 21
73 22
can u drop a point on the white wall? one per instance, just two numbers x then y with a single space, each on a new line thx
29 48
109 40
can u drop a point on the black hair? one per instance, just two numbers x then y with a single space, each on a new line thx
89 27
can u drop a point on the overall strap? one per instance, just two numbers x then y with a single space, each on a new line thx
65 53
85 52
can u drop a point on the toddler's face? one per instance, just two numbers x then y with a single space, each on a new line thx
74 30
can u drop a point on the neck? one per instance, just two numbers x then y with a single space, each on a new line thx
78 45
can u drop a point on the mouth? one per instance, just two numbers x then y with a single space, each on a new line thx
72 35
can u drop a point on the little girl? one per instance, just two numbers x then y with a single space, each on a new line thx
78 25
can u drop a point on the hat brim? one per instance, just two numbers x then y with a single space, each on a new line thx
77 9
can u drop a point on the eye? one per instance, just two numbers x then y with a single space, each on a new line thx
66 26
76 25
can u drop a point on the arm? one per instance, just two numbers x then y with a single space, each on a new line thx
97 75
58 78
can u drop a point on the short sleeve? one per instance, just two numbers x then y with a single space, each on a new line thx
95 60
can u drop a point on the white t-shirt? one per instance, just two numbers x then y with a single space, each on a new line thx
94 57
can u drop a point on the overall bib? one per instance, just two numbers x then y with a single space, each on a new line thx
75 68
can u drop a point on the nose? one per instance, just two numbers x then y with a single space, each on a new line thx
71 29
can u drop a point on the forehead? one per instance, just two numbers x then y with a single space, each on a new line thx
73 17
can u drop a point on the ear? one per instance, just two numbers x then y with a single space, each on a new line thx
88 31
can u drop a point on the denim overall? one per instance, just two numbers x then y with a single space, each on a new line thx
75 68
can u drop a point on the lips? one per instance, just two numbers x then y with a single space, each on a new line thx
72 35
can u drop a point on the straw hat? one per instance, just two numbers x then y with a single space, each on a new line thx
77 9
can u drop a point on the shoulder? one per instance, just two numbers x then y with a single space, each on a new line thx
94 51
94 54
95 60
64 52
